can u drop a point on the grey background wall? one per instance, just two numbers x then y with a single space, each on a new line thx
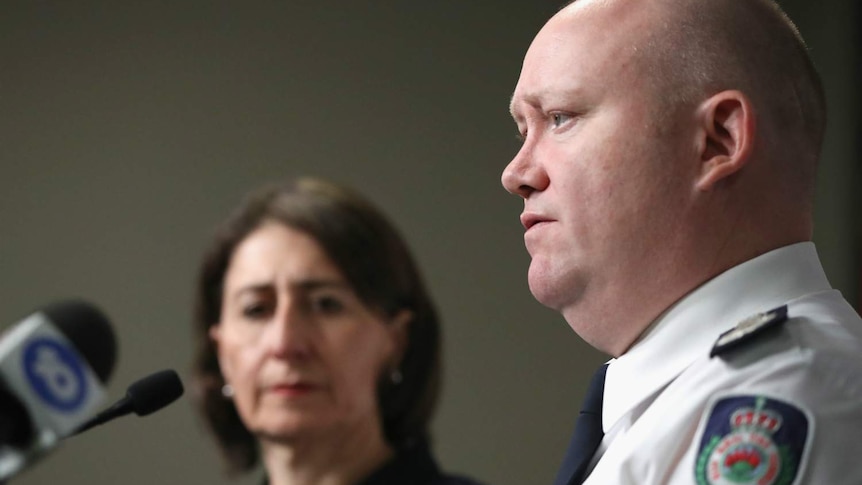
128 130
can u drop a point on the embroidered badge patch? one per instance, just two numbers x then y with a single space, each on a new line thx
752 440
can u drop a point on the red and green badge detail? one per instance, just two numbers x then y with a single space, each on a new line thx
752 440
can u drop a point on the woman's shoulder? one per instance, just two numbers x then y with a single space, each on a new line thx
416 465
455 480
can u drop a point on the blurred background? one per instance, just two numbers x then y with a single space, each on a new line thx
129 129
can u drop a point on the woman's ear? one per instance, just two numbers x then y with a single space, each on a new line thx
399 331
726 136
215 333
215 336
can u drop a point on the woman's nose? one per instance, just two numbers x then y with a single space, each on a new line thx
290 336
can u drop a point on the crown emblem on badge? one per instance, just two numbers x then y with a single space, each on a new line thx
756 419
754 454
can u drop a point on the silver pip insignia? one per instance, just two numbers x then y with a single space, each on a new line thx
748 329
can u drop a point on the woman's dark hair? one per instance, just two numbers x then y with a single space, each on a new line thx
376 263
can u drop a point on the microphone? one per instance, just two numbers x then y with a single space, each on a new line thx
143 397
53 368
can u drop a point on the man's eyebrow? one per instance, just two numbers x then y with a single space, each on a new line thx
547 97
533 100
513 111
515 104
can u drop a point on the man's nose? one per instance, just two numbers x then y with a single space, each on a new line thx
523 176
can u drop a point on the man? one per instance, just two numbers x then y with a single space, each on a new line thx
667 171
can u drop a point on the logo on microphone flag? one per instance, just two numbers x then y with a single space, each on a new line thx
55 373
50 376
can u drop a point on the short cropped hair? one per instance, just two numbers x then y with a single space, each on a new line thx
706 46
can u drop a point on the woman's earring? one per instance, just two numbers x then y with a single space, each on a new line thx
395 376
227 391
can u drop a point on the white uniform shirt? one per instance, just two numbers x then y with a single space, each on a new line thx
659 395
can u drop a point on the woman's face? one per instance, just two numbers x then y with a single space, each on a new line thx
300 349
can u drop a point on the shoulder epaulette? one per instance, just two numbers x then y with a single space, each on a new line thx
749 329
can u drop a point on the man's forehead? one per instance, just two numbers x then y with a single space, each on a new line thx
565 58
607 16
612 7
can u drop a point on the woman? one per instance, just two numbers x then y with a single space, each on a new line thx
319 345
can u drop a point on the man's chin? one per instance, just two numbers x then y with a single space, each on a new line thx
547 287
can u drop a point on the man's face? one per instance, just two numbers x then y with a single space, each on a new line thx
604 177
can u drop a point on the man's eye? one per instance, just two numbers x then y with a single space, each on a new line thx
560 119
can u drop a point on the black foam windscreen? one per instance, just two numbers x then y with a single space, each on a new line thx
154 392
89 330
16 427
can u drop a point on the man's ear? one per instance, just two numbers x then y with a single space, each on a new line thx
726 136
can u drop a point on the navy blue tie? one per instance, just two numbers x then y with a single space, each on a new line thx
588 433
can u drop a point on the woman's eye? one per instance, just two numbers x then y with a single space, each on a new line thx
255 311
328 305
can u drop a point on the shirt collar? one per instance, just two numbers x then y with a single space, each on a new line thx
688 329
